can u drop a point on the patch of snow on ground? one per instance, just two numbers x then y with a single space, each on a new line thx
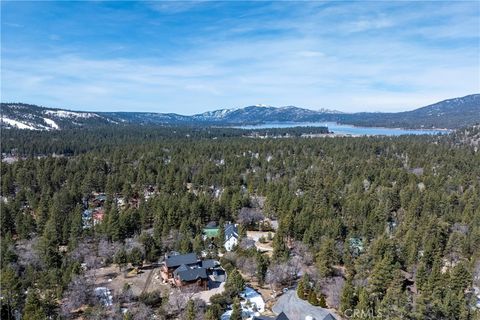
51 123
111 121
253 304
226 315
104 295
17 124
477 295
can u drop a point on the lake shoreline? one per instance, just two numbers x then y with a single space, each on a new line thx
346 130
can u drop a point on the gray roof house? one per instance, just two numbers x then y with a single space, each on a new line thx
208 264
231 236
183 273
281 316
179 259
231 230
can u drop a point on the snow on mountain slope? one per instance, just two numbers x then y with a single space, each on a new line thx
32 117
51 123
70 114
17 124
452 113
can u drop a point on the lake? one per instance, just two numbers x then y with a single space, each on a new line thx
345 128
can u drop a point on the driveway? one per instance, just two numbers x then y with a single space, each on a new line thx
298 309
205 295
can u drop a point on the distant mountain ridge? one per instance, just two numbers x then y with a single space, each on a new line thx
451 114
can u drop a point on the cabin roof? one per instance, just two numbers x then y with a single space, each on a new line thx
178 260
191 274
231 230
209 264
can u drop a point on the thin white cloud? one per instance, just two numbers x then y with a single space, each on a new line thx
13 25
173 6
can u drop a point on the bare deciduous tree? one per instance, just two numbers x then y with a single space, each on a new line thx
300 249
107 249
126 295
98 312
199 307
282 274
178 299
231 257
332 289
249 216
247 243
247 265
27 254
78 293
141 311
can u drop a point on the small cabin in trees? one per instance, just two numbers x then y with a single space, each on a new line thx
231 236
211 230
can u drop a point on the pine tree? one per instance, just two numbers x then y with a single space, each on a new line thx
460 277
185 244
236 310
235 283
326 258
210 315
120 258
312 297
10 291
348 300
48 245
321 301
220 239
190 311
364 305
7 251
135 257
158 230
280 249
421 276
395 302
152 252
76 227
33 307
301 290
197 245
381 277
113 226
262 266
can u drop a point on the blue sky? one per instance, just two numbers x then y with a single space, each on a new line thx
189 57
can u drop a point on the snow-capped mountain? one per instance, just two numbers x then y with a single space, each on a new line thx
262 113
451 113
26 116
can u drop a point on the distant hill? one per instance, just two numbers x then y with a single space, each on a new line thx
451 113
27 116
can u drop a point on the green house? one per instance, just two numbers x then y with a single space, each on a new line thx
211 230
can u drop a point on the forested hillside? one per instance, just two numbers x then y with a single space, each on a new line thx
386 225
451 113
75 141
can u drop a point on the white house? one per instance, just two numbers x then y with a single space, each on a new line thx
231 236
